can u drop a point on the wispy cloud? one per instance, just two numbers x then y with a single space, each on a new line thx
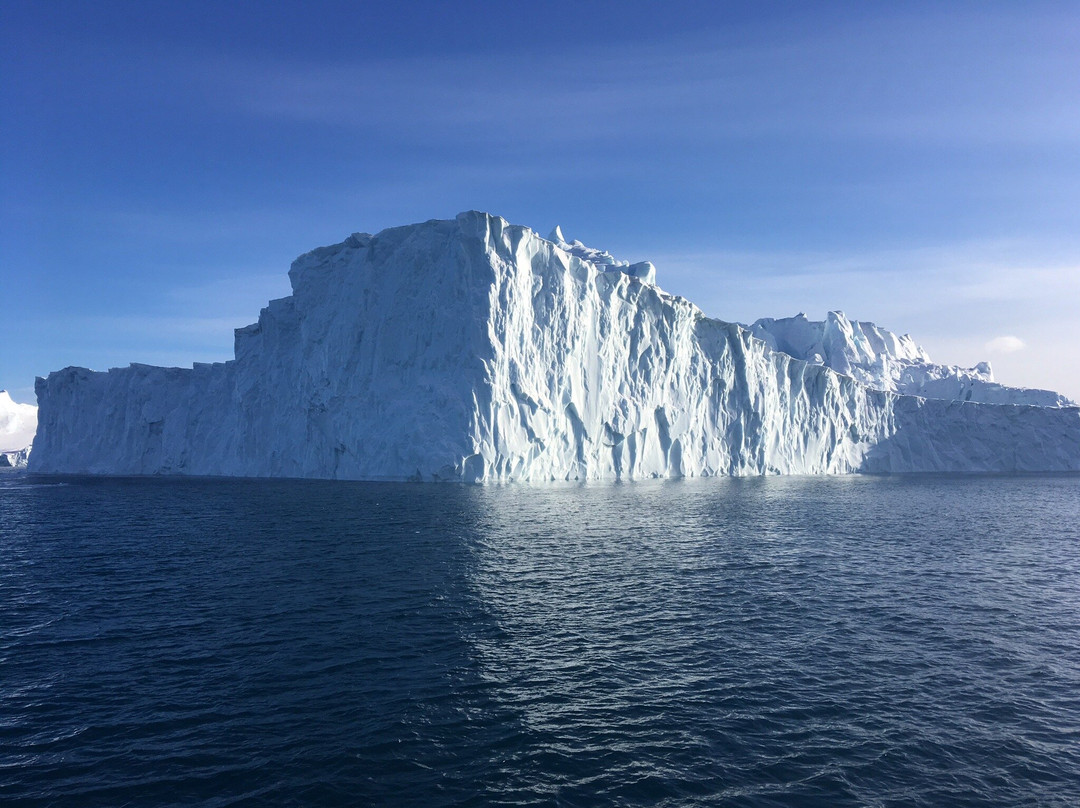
949 78
968 271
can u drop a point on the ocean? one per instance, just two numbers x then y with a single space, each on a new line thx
833 641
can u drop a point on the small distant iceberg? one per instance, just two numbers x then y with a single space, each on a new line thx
18 424
15 460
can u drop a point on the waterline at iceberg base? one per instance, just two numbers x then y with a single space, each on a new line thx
472 349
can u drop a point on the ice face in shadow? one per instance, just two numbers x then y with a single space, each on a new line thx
472 349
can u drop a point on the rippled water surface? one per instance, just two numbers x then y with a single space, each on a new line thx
832 642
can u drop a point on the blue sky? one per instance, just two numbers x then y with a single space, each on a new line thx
915 164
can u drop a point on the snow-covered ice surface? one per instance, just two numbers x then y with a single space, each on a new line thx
882 360
18 423
475 350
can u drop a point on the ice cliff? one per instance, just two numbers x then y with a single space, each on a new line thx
475 350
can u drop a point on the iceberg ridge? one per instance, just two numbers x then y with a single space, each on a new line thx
884 361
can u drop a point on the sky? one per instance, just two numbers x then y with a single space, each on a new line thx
914 164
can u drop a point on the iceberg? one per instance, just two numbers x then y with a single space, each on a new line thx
884 361
475 350
18 423
16 460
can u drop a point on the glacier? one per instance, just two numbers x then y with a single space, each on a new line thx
475 350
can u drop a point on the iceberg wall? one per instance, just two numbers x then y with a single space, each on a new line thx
474 350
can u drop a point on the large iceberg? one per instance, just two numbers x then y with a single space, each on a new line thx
475 350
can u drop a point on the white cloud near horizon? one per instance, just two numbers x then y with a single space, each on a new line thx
18 423
1005 344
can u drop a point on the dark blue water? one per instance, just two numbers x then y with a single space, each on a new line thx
759 642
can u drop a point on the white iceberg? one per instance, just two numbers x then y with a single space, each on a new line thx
475 350
18 423
16 460
884 361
